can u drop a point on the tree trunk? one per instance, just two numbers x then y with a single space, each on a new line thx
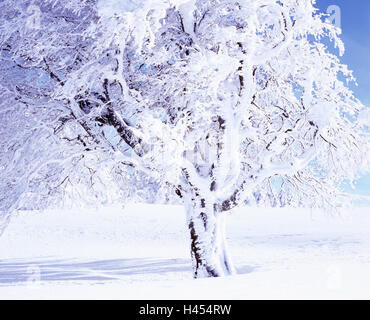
208 241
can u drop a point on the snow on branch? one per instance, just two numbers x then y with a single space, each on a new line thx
230 102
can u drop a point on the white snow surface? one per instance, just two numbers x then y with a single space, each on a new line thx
142 252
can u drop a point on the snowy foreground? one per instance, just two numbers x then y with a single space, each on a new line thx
141 252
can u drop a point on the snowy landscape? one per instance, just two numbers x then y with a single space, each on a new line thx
182 149
142 252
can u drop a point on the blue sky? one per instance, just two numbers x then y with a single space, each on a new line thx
355 22
356 36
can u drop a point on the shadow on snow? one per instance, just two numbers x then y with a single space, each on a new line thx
22 271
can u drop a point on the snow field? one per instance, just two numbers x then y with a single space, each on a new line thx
142 252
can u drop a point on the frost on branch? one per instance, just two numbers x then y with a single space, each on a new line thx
220 102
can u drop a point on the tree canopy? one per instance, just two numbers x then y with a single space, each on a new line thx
239 101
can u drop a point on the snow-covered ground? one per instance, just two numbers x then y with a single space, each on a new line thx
141 252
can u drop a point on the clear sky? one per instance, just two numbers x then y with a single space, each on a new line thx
355 22
356 36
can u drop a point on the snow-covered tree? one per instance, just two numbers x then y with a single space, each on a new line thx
222 102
